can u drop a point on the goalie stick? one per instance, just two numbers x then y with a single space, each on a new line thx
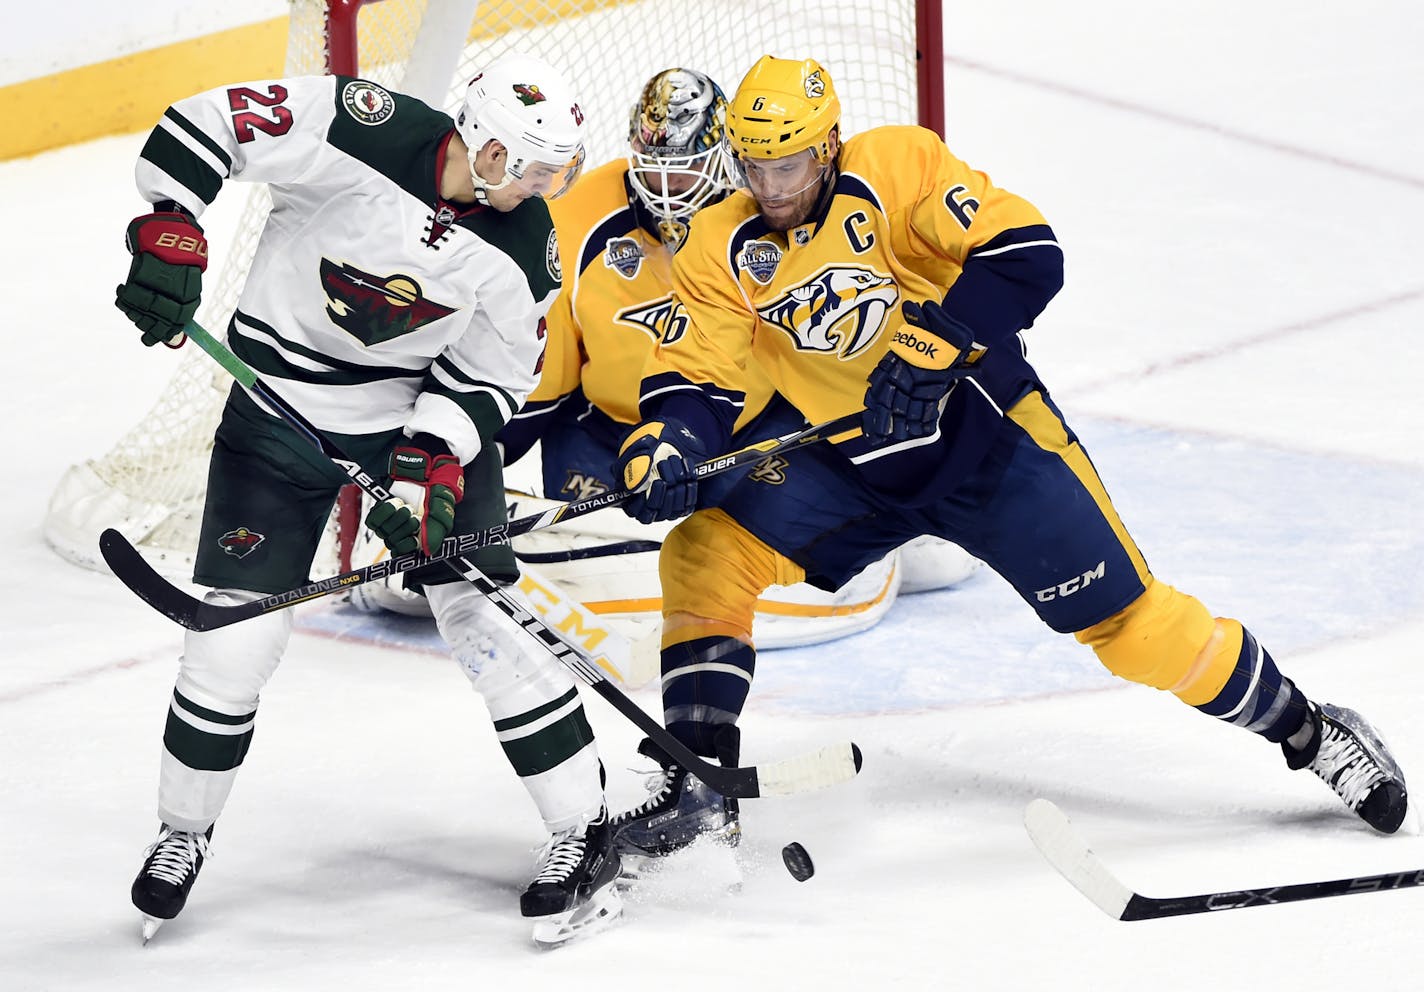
819 769
1065 850
145 582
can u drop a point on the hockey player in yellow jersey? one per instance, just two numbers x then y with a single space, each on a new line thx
880 274
618 230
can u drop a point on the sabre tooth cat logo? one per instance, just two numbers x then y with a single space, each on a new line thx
373 308
815 86
662 320
241 542
840 310
624 255
760 259
367 103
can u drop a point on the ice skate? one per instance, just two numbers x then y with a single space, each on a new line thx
1350 757
680 809
572 894
171 865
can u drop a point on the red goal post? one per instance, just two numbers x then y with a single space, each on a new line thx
885 57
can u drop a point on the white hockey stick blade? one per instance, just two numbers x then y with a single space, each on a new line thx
1058 842
821 769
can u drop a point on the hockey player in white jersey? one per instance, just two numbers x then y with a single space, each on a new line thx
397 299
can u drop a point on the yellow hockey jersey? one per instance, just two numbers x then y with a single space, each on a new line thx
615 305
815 307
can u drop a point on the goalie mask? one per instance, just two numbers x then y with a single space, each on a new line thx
526 105
676 165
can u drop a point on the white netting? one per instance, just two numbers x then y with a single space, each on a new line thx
150 485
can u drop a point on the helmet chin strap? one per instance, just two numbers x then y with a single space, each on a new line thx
482 186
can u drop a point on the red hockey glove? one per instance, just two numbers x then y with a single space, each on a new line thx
166 275
421 511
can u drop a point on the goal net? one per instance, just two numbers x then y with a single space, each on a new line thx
884 57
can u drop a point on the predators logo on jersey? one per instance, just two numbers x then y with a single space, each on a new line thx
662 319
373 309
839 310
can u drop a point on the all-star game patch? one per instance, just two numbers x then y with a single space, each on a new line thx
367 103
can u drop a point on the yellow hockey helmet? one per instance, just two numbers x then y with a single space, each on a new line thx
783 106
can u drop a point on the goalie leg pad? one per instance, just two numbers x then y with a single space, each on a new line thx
213 711
538 715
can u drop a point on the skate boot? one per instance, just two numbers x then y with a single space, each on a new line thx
572 893
680 808
1349 756
171 865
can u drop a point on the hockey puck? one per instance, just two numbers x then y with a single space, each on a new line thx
797 861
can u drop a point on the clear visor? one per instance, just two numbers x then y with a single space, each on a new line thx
543 178
674 187
772 180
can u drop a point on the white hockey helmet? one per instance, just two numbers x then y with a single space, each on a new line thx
528 106
676 165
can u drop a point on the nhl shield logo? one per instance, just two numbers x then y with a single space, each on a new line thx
623 255
760 259
241 542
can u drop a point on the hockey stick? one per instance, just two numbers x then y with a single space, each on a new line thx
135 572
828 766
1065 850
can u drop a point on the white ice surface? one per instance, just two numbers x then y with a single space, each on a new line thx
1237 188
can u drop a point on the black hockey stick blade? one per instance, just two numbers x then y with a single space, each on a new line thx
1066 851
144 582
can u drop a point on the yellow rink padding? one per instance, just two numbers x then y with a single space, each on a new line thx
130 93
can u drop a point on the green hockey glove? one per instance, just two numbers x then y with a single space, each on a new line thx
166 276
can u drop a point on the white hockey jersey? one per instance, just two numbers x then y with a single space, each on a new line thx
372 303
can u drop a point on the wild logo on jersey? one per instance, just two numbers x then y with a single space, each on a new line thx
373 309
839 310
663 319
241 542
